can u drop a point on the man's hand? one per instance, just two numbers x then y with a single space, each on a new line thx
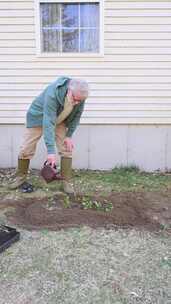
68 144
52 159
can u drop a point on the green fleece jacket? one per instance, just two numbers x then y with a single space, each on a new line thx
45 109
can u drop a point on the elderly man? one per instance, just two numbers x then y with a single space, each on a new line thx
55 114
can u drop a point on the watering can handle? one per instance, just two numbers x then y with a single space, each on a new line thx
46 163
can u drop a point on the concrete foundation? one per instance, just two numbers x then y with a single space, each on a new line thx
100 147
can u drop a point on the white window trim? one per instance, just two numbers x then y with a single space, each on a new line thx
38 37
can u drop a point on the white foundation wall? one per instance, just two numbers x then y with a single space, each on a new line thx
100 147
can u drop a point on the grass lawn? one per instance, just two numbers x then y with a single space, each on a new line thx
92 264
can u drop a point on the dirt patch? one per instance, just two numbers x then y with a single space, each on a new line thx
150 210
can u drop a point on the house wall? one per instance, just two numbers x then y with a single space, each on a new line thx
130 84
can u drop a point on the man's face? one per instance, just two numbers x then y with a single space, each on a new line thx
76 97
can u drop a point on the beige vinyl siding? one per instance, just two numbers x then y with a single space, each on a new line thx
131 83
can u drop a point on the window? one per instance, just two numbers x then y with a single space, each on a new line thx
69 27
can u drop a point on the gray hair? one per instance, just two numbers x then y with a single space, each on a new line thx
79 85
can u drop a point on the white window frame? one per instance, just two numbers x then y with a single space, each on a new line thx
56 54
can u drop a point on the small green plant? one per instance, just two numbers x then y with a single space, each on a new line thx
97 205
87 203
45 231
108 207
66 202
166 261
126 169
165 226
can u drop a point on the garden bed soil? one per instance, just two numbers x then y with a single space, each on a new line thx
147 210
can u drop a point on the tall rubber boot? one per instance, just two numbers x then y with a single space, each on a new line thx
21 174
66 172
